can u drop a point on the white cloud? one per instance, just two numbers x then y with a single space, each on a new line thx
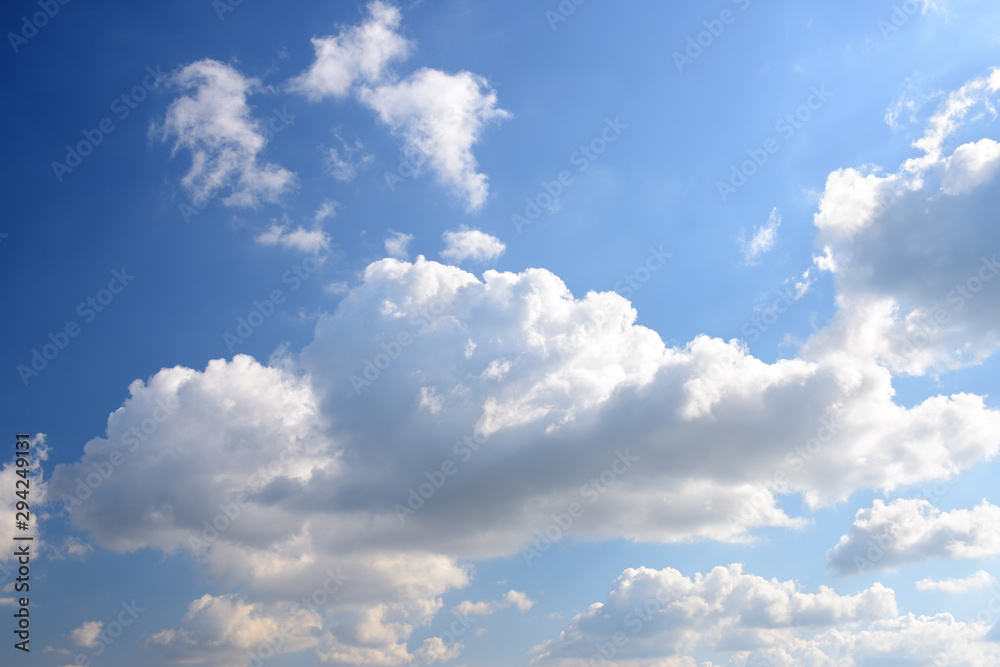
86 634
560 387
337 288
468 243
434 650
328 209
910 250
442 116
225 142
298 238
661 614
396 243
343 163
38 454
74 548
660 617
438 115
763 239
974 582
357 53
970 166
227 628
511 598
327 463
911 530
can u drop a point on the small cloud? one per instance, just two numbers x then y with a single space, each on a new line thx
86 634
511 598
471 243
343 163
763 239
435 650
396 244
299 238
519 600
337 288
328 209
973 582
74 548
497 370
802 286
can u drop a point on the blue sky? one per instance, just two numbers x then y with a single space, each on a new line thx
704 292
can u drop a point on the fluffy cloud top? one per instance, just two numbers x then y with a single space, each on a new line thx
908 530
86 634
225 142
396 243
468 243
225 628
663 614
357 53
439 417
662 617
913 252
323 457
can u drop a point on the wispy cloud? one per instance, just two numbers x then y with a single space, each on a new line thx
214 123
762 240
